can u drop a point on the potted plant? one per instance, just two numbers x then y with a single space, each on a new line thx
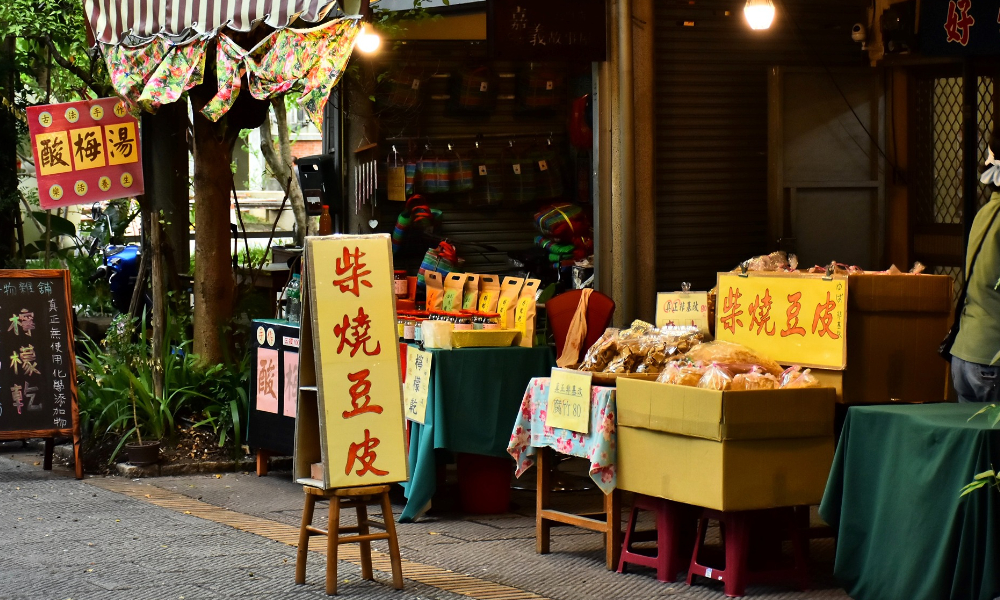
141 453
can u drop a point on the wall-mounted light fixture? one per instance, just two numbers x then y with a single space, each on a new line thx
759 13
368 39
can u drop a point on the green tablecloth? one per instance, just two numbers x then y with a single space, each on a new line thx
893 498
472 404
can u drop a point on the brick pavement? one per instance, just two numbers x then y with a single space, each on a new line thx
80 540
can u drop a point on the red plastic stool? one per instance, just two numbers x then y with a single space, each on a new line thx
674 537
737 527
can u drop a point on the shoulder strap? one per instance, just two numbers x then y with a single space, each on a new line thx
972 265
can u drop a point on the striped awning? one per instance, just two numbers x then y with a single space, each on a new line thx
114 20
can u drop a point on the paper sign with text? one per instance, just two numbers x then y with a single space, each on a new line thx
569 400
353 314
682 309
793 319
417 385
85 152
267 380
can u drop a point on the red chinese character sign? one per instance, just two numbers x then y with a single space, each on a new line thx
958 27
792 319
85 152
353 324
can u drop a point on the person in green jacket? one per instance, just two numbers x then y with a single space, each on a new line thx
975 368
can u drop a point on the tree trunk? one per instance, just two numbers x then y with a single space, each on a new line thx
280 163
214 284
9 206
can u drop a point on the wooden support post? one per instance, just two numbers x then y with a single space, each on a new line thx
262 458
50 446
543 488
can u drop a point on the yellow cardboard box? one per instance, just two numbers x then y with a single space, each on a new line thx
725 450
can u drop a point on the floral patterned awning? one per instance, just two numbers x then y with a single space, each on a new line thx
311 60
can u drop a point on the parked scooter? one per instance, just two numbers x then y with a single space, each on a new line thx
119 263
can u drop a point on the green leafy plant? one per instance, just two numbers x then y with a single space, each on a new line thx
990 478
117 395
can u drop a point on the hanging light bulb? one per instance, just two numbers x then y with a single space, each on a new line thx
368 40
759 13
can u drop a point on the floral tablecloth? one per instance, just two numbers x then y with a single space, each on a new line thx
599 446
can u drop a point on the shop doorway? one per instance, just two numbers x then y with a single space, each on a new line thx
826 172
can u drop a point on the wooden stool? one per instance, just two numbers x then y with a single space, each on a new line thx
736 529
674 537
358 498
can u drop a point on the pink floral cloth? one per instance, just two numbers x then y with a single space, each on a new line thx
599 446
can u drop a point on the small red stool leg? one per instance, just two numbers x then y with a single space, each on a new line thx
626 548
737 540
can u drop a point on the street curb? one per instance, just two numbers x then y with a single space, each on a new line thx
124 469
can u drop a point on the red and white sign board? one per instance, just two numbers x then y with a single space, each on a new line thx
85 152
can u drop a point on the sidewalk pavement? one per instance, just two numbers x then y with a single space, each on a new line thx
232 536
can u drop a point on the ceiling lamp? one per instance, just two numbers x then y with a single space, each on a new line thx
368 40
759 13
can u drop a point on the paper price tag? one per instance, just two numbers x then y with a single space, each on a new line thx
415 85
417 386
682 309
543 165
569 401
483 86
482 170
517 169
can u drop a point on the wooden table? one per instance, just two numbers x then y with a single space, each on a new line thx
531 443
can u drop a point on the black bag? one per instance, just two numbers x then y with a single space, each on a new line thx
944 350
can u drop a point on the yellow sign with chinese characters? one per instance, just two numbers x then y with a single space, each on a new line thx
569 400
793 319
352 309
88 148
417 385
682 309
121 144
53 152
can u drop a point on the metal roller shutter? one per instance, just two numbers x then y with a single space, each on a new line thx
711 123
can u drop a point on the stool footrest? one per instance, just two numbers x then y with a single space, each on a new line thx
368 537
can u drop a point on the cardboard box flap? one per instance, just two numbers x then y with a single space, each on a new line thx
714 415
674 408
687 411
900 293
767 414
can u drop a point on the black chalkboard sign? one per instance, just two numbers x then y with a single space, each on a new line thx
38 368
571 30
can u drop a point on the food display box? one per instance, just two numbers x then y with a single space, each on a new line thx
741 450
895 324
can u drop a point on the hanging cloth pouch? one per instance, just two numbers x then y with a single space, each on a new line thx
519 176
487 179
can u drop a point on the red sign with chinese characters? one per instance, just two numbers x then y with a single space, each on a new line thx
793 319
85 152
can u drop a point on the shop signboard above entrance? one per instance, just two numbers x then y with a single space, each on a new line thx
85 152
959 27
572 30
793 319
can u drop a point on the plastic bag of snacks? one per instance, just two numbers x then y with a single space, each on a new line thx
664 345
602 352
682 373
756 379
796 377
716 377
729 353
